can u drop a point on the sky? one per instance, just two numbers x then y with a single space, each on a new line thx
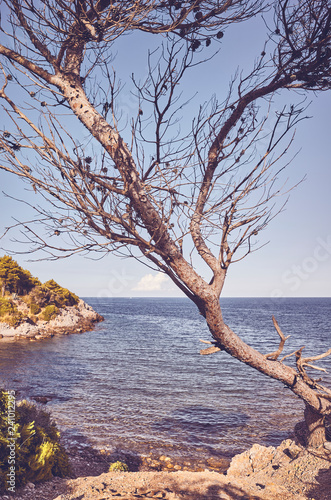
296 261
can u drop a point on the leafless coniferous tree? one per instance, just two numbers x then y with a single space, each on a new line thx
167 196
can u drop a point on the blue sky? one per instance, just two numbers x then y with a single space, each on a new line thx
297 259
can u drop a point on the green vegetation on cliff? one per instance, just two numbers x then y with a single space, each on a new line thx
14 278
9 312
25 298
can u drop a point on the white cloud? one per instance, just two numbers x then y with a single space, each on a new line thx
151 283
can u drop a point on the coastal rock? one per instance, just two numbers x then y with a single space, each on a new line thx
289 469
33 310
41 399
177 485
70 319
306 477
327 445
253 460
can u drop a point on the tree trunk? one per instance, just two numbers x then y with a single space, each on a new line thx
315 423
227 340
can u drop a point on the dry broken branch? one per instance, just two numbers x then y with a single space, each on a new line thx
210 350
316 358
302 362
287 356
305 362
273 356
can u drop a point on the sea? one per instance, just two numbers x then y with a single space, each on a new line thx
138 382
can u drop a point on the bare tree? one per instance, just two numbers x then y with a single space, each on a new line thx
167 195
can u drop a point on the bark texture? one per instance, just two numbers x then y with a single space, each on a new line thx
315 423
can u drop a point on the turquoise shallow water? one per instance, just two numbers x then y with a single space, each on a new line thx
138 382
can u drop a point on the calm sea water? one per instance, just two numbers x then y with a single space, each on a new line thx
137 382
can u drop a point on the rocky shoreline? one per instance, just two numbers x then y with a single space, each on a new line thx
288 472
78 318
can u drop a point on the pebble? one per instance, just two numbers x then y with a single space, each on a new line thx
166 463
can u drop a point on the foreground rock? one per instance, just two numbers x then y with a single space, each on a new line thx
288 472
70 319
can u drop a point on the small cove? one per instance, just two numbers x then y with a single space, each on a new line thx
138 382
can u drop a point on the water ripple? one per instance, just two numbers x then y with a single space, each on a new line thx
139 382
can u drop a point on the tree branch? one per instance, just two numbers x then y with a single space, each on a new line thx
273 356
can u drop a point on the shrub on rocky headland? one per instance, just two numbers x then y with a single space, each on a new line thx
33 310
9 312
20 288
49 312
62 296
15 279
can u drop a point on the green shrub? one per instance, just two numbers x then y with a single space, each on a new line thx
118 466
52 294
63 296
41 296
50 312
38 453
7 307
9 313
15 319
34 308
14 277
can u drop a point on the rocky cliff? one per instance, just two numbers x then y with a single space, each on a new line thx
69 319
34 310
